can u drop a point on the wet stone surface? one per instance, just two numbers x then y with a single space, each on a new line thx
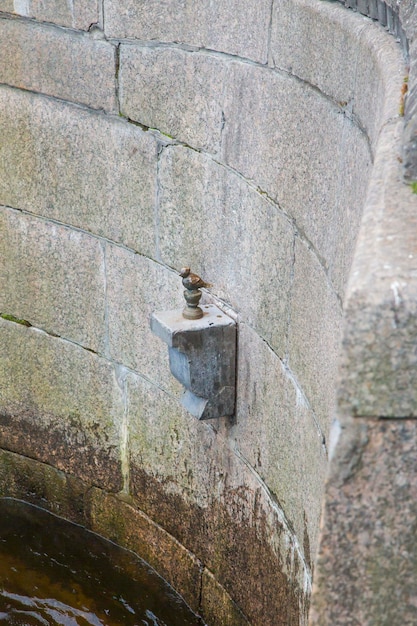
54 572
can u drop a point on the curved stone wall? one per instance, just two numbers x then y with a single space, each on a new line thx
137 139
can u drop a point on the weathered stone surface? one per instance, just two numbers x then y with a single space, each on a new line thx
314 337
185 477
380 74
60 405
202 356
277 435
188 108
368 560
338 235
52 277
217 607
212 220
227 26
57 62
42 485
79 14
132 529
136 287
79 167
271 137
378 372
318 42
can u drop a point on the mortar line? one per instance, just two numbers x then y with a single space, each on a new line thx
290 300
269 60
116 76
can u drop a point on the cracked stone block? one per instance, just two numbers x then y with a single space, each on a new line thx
80 14
52 277
60 404
34 57
136 287
226 26
213 221
188 108
79 167
315 332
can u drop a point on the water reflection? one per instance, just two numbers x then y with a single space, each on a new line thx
54 572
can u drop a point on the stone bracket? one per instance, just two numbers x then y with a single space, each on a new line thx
202 356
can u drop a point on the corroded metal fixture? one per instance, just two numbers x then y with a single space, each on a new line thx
192 294
202 356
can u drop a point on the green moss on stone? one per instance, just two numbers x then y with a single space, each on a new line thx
414 186
16 320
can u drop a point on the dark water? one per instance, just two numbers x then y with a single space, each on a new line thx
54 572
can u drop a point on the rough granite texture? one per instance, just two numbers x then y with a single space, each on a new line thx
251 141
189 108
53 277
367 566
80 14
82 168
239 233
61 405
378 367
34 57
227 25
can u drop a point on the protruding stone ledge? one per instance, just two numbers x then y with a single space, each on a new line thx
379 356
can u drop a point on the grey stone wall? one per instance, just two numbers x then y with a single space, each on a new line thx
399 17
137 139
366 569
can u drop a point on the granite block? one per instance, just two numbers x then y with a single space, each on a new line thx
366 570
276 432
34 57
315 332
82 168
318 42
136 287
271 137
190 479
378 364
226 26
188 108
213 221
52 277
129 527
380 74
61 405
80 14
40 484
